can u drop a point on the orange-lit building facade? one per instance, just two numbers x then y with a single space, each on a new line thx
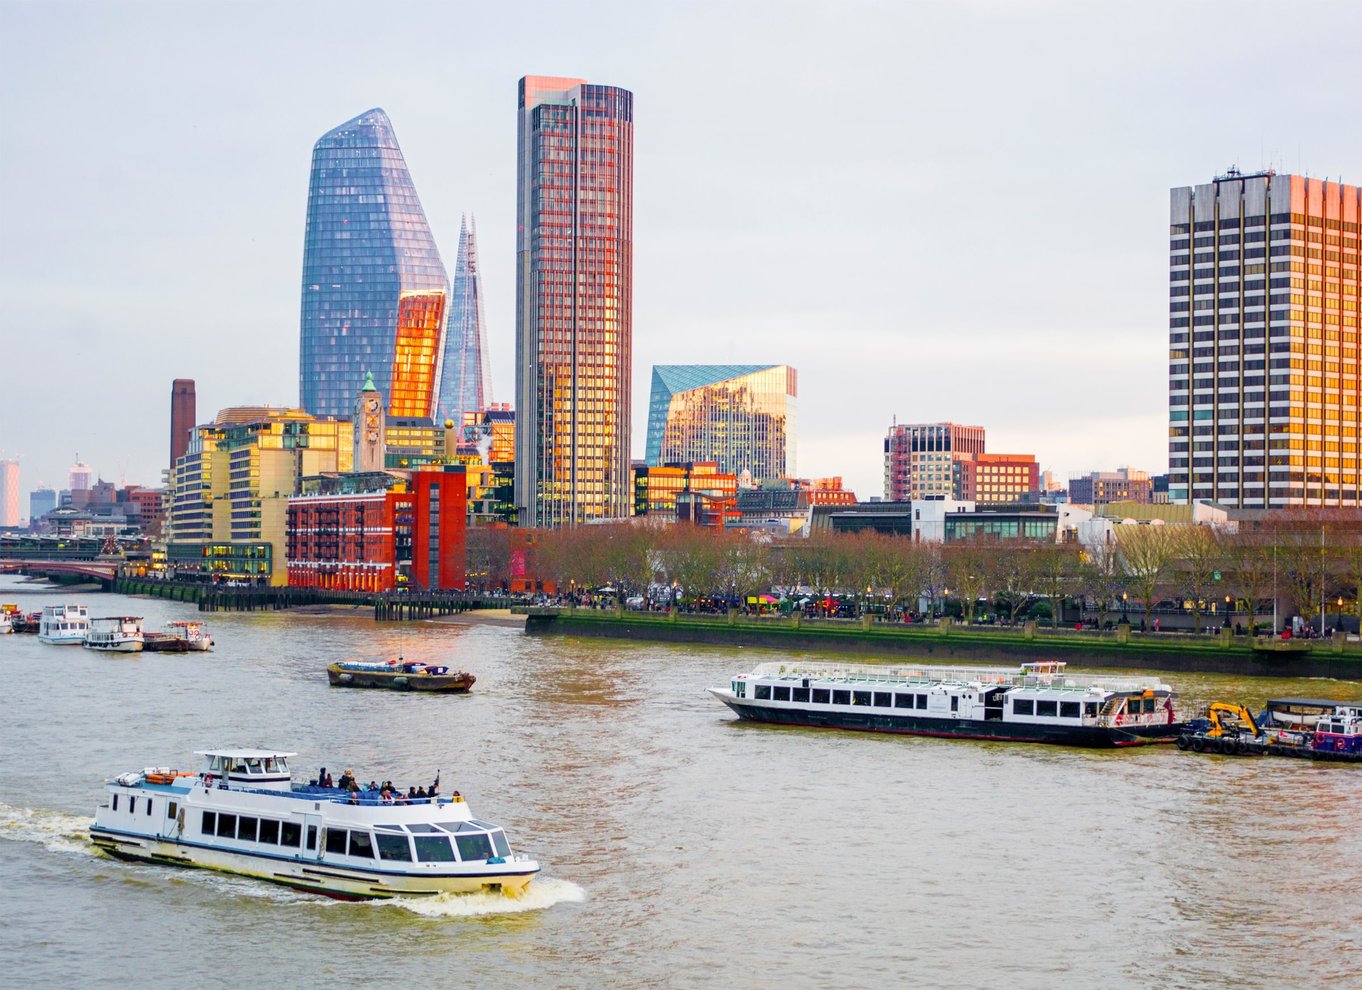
1264 367
574 308
412 535
656 488
986 478
825 491
919 459
416 353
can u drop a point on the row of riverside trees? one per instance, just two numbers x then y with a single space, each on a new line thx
1309 560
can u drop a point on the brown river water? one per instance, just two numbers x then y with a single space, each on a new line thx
680 847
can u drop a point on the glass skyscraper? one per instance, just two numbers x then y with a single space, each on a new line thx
466 381
1263 357
574 303
374 289
741 416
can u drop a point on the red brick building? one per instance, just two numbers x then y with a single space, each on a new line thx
411 535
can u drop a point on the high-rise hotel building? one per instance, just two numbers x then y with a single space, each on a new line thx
574 301
375 292
1264 370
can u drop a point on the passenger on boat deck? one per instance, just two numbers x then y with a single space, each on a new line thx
328 782
321 777
421 792
411 793
373 785
346 780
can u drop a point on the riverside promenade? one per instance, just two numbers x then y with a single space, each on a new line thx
946 641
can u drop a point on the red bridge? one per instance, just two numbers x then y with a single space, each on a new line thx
98 570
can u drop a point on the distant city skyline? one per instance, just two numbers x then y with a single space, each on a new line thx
975 231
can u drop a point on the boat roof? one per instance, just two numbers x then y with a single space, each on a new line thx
1311 702
116 618
245 754
185 622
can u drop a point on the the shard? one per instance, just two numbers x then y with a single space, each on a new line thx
466 381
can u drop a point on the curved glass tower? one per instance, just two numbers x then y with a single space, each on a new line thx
466 381
374 289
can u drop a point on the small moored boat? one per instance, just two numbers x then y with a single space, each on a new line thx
241 813
193 632
64 625
115 634
398 675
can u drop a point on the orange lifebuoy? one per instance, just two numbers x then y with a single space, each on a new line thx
1340 745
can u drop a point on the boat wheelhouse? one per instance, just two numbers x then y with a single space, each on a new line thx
1038 702
193 632
64 625
115 634
241 812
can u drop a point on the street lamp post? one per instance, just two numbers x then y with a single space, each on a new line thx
1125 605
1229 601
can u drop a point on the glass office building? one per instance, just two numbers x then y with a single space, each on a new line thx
741 416
1264 368
574 303
374 289
466 381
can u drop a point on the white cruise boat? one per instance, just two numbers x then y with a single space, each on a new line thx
115 634
1037 702
241 812
64 625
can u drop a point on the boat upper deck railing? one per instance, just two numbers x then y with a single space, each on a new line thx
336 795
986 676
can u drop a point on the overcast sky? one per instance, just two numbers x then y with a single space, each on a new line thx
932 210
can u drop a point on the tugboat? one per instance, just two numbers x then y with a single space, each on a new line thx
64 625
241 813
115 634
1037 703
398 675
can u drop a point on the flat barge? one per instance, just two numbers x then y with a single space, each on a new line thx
399 675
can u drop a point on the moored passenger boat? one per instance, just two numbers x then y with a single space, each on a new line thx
193 632
241 813
398 675
115 634
1037 702
64 625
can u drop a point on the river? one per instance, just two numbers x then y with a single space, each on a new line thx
680 847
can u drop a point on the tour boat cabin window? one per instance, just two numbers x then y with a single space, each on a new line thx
821 696
1090 709
433 848
172 809
474 846
289 833
955 703
903 701
922 701
132 805
799 694
361 845
780 693
393 846
227 826
740 689
269 831
335 840
841 697
245 828
420 827
148 806
763 692
210 823
1023 706
312 836
499 842
1048 709
883 699
115 802
861 698
1068 709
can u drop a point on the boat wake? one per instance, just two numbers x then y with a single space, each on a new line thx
543 893
57 831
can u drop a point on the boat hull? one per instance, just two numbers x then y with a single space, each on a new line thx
76 640
1097 737
449 683
119 646
311 875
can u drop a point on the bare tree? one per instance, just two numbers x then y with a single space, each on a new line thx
969 567
1102 576
1200 560
1056 573
1251 570
1146 552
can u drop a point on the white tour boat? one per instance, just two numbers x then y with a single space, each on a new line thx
115 634
241 812
1037 702
64 625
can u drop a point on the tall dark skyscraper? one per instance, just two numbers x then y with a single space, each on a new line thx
375 293
466 379
183 409
574 305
